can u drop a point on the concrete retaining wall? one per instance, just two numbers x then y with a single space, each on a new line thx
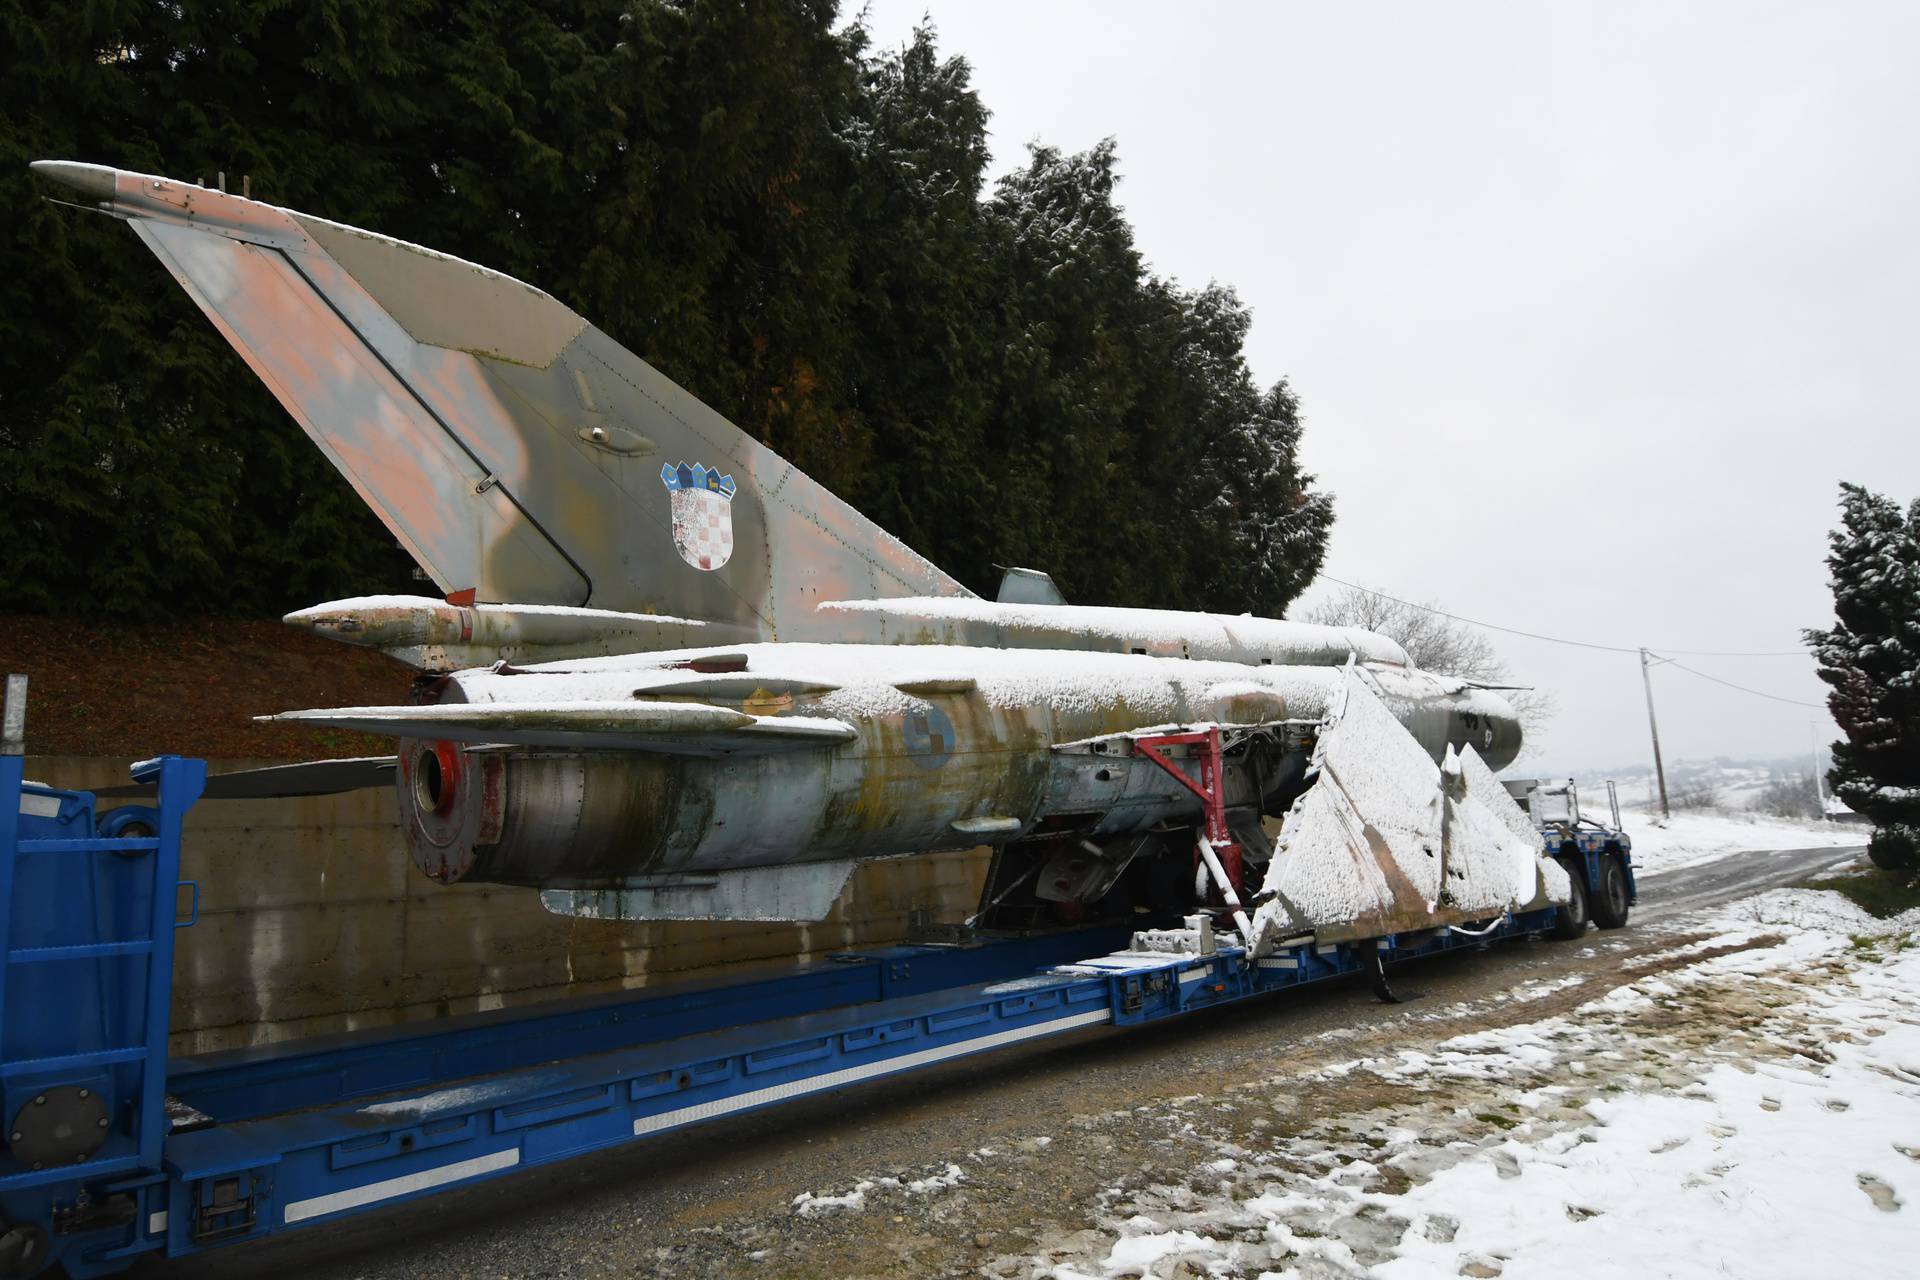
313 920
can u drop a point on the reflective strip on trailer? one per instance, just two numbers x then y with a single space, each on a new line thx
374 1192
853 1075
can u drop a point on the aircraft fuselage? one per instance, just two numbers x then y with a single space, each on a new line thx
951 747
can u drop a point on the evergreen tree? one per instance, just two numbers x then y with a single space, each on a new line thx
720 248
1144 465
927 309
1871 658
142 466
784 222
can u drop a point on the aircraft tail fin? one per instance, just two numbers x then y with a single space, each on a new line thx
519 453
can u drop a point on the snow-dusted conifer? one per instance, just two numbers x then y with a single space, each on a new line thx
1871 658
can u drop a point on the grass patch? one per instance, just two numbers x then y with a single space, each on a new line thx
1878 893
1495 1119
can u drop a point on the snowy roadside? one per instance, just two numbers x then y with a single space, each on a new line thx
1738 1112
1690 838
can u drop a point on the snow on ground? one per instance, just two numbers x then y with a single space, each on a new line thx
812 1203
1789 1171
1701 836
1746 1106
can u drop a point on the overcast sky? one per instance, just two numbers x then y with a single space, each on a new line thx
1589 307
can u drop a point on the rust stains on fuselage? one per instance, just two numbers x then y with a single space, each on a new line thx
974 741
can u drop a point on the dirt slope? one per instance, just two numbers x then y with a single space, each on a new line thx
190 687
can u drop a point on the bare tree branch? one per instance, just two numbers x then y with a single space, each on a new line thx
1437 643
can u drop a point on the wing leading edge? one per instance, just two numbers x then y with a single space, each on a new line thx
669 728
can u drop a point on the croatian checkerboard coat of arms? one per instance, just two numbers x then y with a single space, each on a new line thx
702 513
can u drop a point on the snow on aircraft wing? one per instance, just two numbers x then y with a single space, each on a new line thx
1385 841
670 728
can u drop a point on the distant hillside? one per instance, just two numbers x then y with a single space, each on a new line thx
1731 782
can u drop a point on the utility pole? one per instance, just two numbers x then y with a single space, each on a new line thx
1659 769
1819 783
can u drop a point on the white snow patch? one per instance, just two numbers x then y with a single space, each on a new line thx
1177 633
411 605
1384 823
1539 989
1759 1173
1569 1142
1015 985
810 1204
1688 839
865 679
1814 909
463 1098
1136 1255
952 1177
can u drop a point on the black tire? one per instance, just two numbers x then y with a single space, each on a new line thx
1612 904
1571 920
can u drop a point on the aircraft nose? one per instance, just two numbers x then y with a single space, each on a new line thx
1501 736
95 181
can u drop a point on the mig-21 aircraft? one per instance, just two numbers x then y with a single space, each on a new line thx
672 677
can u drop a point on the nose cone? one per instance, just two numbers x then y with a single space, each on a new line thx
1493 729
94 181
380 622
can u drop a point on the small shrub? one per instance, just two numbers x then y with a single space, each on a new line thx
1694 797
1880 896
1895 848
1791 796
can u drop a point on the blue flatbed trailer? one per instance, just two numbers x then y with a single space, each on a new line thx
113 1152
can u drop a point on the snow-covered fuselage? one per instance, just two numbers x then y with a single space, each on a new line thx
602 771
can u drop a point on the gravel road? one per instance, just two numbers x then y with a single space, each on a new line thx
720 1200
1735 876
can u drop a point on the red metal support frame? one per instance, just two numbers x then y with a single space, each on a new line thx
1211 789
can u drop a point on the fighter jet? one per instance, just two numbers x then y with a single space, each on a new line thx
671 676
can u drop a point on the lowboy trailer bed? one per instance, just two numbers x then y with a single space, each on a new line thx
114 1152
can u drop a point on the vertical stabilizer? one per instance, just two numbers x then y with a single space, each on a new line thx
516 451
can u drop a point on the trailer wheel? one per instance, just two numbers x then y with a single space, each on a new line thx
1571 920
22 1250
1611 904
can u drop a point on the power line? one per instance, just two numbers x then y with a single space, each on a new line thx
1743 653
1490 626
1580 644
1773 697
1612 648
